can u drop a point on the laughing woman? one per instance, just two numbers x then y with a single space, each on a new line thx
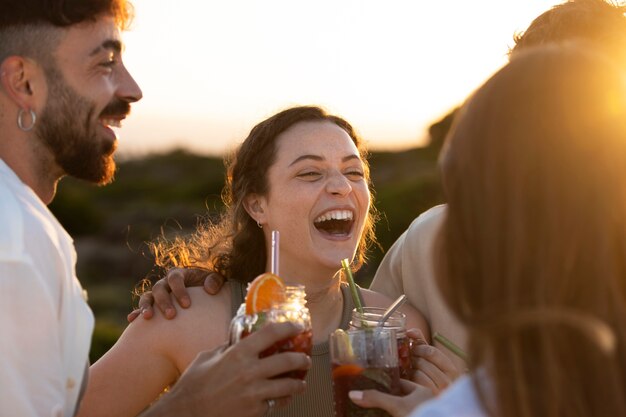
302 172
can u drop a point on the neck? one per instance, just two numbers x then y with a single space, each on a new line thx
325 305
323 294
34 166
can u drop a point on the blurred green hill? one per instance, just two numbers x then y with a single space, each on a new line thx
168 193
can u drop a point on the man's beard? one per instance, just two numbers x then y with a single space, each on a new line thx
68 128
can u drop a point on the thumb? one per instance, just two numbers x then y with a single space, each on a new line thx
376 399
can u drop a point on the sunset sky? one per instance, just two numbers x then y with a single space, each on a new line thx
210 69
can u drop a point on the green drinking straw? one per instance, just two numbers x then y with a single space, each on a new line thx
450 346
355 295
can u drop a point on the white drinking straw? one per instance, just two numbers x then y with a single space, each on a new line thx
275 250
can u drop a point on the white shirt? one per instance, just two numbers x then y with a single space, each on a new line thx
45 323
458 400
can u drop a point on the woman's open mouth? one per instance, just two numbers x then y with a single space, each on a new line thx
335 222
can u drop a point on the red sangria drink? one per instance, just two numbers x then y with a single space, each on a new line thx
352 377
302 342
363 359
269 300
369 318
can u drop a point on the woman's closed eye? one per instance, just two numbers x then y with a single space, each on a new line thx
354 175
309 175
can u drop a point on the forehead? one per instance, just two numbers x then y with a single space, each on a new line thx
88 38
323 138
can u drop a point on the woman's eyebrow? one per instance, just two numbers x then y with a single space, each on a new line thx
320 158
304 157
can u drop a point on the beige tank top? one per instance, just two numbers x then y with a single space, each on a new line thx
317 400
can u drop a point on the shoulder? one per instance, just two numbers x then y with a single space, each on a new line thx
427 224
375 299
459 399
202 326
205 308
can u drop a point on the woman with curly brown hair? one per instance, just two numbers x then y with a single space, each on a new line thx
304 173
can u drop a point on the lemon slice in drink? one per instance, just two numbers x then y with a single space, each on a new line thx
343 345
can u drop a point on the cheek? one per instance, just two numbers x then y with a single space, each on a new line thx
364 197
287 207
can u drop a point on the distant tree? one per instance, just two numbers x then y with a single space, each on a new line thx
438 131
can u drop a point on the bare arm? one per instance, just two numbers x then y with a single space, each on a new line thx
388 277
235 382
151 355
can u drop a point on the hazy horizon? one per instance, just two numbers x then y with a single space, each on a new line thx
212 70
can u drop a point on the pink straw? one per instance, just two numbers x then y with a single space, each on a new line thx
275 250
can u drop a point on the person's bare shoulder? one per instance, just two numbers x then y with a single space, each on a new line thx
204 325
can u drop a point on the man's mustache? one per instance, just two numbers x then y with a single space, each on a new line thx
116 107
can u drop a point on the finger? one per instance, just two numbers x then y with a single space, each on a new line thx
283 401
145 305
437 358
213 283
281 363
162 298
407 387
423 379
376 399
176 280
146 300
133 315
281 388
434 372
265 337
417 335
147 313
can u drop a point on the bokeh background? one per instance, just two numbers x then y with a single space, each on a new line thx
211 70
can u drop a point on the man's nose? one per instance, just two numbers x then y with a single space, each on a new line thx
128 89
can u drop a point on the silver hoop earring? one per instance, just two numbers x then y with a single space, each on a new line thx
20 123
259 224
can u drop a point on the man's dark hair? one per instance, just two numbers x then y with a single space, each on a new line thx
31 28
61 13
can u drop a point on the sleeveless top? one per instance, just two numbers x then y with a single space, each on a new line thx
317 399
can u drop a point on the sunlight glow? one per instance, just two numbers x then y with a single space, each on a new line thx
210 70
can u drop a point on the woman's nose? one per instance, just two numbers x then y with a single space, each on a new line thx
338 184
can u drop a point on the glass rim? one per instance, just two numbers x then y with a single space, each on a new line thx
376 312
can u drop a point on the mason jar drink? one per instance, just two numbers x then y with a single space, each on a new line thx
363 359
370 318
292 309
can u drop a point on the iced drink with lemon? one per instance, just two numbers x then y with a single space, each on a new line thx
269 300
363 359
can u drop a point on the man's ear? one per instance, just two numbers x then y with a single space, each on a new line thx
255 206
22 80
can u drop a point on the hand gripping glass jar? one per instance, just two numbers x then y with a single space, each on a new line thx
294 310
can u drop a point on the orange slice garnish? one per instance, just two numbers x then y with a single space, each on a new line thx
264 292
347 370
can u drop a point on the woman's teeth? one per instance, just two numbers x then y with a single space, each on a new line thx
335 215
335 222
